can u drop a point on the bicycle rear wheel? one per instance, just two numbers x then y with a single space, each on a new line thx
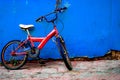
13 62
63 52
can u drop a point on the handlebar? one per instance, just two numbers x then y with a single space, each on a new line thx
55 11
61 9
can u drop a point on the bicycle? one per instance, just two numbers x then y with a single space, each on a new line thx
15 53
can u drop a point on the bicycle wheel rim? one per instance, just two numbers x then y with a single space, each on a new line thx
65 57
9 61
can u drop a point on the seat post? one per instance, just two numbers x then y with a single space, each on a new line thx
28 32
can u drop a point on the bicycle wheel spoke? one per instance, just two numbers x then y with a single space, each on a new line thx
10 61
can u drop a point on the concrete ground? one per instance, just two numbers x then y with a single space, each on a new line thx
56 70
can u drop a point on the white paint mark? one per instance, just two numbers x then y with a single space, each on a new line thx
67 4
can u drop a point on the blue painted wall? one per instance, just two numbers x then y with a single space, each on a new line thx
91 27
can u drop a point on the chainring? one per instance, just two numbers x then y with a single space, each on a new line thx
34 52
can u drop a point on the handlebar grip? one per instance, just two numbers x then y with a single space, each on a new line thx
39 19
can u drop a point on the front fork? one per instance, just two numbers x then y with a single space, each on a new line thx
61 44
58 39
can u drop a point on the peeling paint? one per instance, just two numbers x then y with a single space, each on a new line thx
67 4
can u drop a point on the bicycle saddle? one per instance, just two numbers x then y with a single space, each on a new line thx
23 26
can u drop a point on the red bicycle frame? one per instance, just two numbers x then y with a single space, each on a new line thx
43 40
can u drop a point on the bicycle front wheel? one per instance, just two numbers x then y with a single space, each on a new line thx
63 52
13 62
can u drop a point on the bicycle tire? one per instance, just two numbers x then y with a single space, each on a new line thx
12 62
63 52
